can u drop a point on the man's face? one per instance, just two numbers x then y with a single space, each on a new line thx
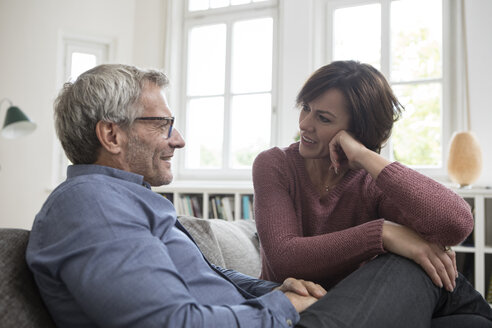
148 150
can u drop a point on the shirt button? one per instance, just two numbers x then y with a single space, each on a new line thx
289 322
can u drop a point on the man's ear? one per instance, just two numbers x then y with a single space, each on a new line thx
110 136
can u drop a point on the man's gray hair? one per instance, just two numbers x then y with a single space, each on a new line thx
108 93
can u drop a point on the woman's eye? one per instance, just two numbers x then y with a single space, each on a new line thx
305 108
324 119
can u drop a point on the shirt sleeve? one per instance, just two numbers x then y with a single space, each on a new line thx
434 211
256 287
123 276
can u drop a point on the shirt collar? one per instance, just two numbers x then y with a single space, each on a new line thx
85 169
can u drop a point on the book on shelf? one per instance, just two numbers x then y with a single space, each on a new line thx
221 207
228 206
212 211
196 206
190 205
220 210
168 195
247 207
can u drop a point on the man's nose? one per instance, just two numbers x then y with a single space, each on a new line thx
176 139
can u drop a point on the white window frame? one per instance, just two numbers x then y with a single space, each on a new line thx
103 49
452 88
180 21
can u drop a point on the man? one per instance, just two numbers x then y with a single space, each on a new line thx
107 251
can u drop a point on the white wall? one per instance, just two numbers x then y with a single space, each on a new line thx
479 31
29 34
29 42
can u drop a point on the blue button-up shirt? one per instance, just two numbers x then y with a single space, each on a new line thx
105 250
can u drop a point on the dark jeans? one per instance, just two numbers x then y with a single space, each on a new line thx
392 291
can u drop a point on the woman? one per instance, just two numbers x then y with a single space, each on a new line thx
328 204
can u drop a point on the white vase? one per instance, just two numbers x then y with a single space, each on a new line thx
465 158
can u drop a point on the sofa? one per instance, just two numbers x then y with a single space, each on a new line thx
232 245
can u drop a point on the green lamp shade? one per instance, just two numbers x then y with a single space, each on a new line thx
16 124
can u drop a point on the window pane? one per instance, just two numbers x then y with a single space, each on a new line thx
81 62
194 5
417 136
206 60
362 44
219 3
239 2
250 128
416 39
204 132
252 55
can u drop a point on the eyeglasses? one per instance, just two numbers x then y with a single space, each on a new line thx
168 125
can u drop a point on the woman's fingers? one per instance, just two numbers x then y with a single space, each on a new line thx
431 271
452 269
439 266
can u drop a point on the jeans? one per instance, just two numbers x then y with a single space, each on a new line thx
392 291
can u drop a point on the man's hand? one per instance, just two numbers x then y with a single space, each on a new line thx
299 302
302 288
301 293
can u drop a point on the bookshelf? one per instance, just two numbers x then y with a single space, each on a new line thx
474 255
211 199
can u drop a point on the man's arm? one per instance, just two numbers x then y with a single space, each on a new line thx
110 267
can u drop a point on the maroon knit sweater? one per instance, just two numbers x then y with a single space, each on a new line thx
324 238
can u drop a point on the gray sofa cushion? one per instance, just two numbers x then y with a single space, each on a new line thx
20 302
229 244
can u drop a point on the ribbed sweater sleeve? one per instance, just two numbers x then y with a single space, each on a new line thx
324 238
437 213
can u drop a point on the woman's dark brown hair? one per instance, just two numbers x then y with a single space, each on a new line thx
372 106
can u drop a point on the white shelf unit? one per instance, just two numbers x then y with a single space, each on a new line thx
205 190
477 256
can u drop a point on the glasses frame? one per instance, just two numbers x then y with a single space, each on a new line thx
159 118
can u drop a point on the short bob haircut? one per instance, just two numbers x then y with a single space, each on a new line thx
372 106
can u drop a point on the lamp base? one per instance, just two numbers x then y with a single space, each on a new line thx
465 159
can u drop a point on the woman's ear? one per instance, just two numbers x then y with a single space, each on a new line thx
110 136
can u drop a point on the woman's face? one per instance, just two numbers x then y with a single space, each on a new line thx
319 121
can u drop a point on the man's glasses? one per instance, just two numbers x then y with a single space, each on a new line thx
168 125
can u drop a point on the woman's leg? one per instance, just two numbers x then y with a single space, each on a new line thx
461 321
463 300
390 291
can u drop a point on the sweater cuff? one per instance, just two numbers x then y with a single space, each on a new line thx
374 231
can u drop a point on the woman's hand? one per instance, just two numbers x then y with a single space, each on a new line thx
439 263
345 150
